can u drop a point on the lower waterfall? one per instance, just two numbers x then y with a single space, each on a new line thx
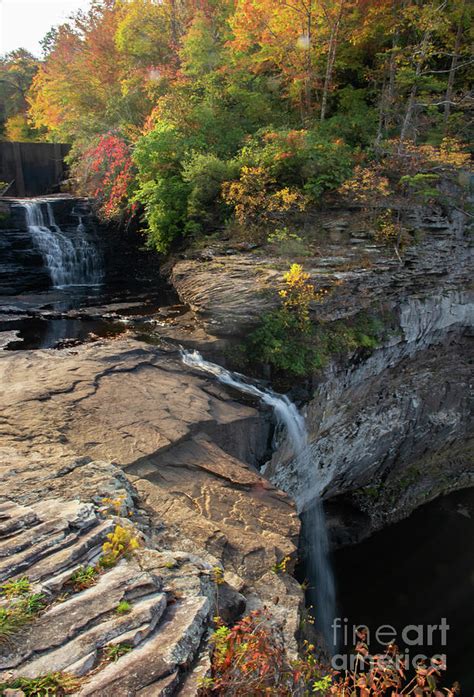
316 536
71 259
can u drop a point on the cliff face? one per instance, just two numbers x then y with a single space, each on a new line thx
390 429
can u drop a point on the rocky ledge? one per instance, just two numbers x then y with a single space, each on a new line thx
122 422
390 428
151 610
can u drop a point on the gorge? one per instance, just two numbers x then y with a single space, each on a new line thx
189 446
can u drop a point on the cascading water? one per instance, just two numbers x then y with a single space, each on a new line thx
317 539
70 259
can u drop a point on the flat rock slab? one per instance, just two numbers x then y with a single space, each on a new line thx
115 401
219 504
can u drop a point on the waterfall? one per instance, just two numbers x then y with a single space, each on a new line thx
71 260
287 414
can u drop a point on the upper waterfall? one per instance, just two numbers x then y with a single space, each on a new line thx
71 259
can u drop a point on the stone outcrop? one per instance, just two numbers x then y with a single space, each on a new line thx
230 292
121 420
76 630
393 425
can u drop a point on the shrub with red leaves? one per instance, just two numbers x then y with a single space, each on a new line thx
106 172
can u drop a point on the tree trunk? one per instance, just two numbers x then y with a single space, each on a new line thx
382 115
309 65
331 60
413 92
452 71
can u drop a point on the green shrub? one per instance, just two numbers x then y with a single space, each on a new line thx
300 158
205 174
47 685
20 586
18 613
115 651
123 608
291 342
83 578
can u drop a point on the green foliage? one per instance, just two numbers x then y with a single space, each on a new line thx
205 175
83 578
280 567
49 685
161 189
123 608
17 70
165 204
355 120
322 685
287 243
203 94
301 158
420 185
18 613
115 651
19 586
292 343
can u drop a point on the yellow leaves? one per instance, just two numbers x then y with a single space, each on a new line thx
120 543
255 199
114 506
414 158
387 231
285 199
366 184
299 294
217 575
296 276
451 153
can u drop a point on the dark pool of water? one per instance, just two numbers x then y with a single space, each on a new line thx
37 333
37 330
415 573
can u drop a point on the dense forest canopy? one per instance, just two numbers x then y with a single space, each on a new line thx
201 113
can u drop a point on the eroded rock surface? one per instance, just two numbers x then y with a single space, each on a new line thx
392 425
76 629
182 450
231 292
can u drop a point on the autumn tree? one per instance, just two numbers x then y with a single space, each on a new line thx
17 70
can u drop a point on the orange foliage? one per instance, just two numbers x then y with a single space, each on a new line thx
256 200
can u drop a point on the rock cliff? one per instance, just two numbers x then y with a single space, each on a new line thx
390 426
123 421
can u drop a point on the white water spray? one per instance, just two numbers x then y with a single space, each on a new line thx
70 260
316 534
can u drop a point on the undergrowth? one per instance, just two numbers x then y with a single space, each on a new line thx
49 685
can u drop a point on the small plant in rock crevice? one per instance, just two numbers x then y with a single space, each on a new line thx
83 578
120 543
281 566
12 588
18 613
48 685
113 652
123 608
217 576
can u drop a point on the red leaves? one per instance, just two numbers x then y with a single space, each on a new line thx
107 171
249 659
